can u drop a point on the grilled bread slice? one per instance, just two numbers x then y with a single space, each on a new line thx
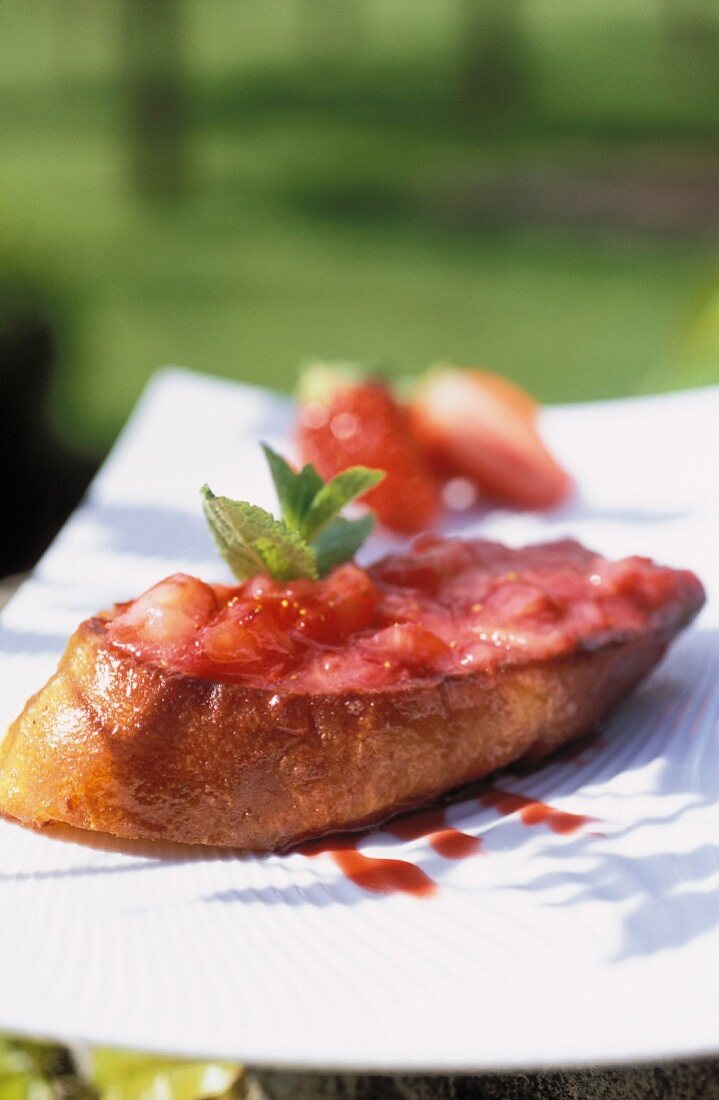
135 747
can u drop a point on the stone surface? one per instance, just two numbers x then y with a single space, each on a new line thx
676 1081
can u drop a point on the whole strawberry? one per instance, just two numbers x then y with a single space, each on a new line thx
346 419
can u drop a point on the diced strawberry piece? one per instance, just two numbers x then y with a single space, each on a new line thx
358 422
352 669
647 587
168 614
325 611
428 562
410 644
245 634
482 427
353 597
518 602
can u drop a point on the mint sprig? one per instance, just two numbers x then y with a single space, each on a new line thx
252 541
309 540
295 491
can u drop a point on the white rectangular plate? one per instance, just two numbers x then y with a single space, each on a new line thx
548 946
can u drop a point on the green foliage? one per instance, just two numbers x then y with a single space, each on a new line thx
125 1076
32 1070
276 257
280 253
38 1071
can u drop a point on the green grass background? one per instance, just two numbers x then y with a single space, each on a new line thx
312 226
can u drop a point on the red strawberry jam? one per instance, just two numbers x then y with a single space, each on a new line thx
446 607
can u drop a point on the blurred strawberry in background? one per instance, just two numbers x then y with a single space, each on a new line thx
477 425
461 427
347 419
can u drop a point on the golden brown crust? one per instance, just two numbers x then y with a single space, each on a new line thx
114 745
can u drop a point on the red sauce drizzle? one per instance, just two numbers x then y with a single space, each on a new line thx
532 812
392 876
380 876
430 824
384 876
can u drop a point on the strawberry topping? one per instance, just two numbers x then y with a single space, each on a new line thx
446 607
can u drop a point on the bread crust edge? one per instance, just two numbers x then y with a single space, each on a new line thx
116 746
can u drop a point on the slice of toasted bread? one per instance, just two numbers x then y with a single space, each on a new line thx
115 745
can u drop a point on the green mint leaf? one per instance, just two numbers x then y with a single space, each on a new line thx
339 541
252 541
335 494
311 538
307 502
295 491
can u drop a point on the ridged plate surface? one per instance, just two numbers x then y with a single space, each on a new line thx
570 916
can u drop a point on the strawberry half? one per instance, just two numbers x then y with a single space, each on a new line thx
347 420
477 425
